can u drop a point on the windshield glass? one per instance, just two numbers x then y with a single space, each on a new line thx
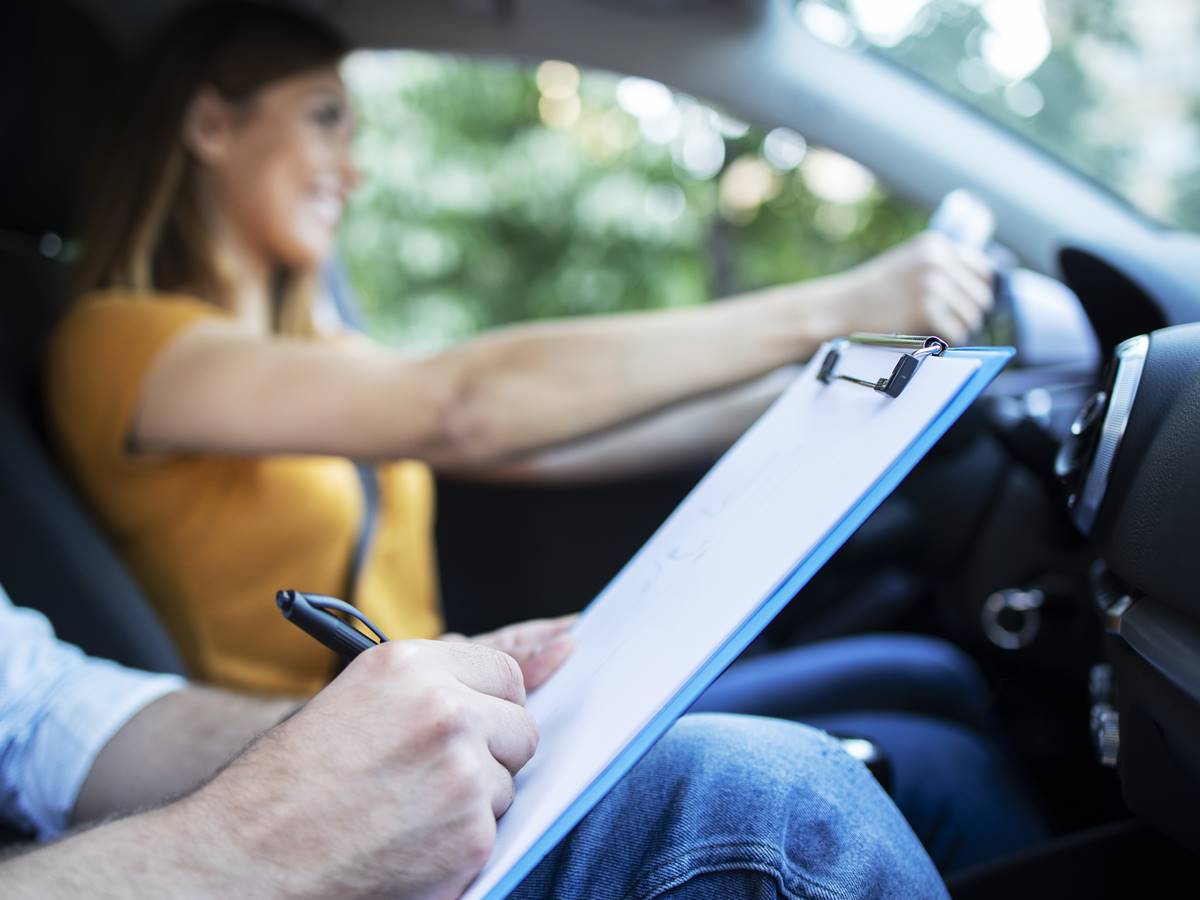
1111 87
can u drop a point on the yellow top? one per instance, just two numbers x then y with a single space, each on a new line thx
211 538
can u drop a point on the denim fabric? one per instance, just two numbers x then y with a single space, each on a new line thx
956 789
895 672
740 807
922 702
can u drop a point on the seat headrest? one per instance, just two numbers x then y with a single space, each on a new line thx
58 69
31 301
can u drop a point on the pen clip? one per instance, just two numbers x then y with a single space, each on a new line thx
317 616
330 605
919 348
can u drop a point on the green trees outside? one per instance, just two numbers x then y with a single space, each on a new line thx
496 193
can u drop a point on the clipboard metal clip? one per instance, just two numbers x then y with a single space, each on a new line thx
917 350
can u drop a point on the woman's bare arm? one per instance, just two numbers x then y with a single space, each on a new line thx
511 392
520 390
692 433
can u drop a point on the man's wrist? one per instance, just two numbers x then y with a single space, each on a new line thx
229 839
206 847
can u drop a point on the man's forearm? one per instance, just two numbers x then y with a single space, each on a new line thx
171 746
148 855
191 848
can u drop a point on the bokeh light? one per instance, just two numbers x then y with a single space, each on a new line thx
887 22
835 178
557 80
645 99
745 186
827 24
1016 40
559 112
784 149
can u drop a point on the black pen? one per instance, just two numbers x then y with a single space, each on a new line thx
314 614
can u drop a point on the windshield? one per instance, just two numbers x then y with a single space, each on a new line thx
1111 87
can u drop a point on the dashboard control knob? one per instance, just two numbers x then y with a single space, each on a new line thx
1106 735
1011 618
1100 684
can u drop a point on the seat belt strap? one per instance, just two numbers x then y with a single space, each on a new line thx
362 544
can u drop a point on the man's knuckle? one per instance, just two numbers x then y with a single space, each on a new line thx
477 837
514 678
506 675
448 713
532 735
505 793
398 657
462 774
441 715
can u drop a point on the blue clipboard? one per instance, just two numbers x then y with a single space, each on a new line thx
992 361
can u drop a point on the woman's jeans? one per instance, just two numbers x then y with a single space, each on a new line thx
923 702
727 807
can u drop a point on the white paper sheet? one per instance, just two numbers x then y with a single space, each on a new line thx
761 510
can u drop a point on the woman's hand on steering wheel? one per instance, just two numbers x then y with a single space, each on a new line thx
926 285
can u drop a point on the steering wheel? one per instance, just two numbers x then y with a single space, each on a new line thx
966 220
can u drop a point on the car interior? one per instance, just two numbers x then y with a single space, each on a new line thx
1049 534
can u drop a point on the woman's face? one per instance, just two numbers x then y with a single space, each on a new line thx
280 165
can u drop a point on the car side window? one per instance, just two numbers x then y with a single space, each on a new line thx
496 192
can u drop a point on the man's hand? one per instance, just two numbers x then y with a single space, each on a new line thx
388 782
927 285
539 646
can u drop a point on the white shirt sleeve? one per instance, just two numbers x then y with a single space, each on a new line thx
58 708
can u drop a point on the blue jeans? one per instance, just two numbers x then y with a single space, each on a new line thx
921 701
905 673
727 807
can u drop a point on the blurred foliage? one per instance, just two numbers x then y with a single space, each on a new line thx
1112 87
473 212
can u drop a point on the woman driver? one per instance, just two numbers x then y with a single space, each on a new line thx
212 426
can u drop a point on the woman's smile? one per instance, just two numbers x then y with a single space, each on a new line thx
324 202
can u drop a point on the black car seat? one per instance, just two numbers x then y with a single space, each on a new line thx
52 555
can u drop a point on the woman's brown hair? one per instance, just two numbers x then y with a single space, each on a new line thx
144 228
